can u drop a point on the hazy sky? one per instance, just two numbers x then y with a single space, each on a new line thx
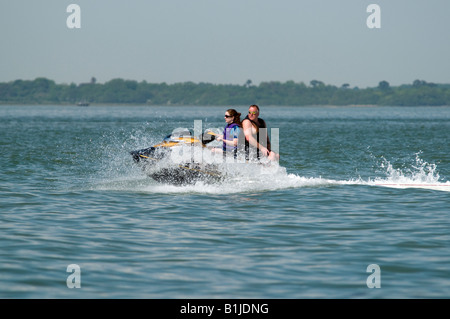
226 41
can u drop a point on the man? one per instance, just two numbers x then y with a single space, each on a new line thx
251 126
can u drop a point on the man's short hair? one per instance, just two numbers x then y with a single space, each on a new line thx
254 105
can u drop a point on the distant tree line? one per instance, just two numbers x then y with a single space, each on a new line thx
120 91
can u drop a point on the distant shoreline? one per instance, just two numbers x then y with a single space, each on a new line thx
93 105
43 91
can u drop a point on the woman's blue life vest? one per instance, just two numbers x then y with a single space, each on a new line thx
230 132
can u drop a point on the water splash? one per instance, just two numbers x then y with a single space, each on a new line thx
419 174
116 171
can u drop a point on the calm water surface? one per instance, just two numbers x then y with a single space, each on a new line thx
309 228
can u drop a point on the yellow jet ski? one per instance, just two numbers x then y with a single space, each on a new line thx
156 160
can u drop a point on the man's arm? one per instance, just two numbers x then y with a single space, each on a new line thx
247 127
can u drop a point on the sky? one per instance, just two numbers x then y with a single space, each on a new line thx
226 41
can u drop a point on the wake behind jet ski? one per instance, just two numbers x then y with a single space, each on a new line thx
157 160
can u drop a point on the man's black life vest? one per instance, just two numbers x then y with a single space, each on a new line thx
262 124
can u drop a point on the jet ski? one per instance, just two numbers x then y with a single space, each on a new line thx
158 160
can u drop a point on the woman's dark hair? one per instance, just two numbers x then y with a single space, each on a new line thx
236 116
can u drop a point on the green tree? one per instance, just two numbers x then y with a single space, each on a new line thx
383 85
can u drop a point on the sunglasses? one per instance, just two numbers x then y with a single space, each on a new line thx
227 116
254 113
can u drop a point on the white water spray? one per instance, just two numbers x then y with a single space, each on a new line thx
421 174
119 173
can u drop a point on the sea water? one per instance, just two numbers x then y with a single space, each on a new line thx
355 186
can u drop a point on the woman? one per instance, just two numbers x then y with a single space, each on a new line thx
231 132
